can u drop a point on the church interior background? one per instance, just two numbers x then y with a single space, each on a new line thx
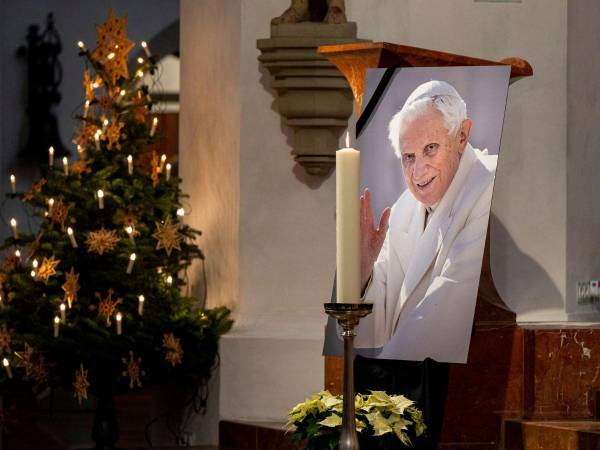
267 212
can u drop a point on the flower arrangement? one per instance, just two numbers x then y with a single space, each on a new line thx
383 421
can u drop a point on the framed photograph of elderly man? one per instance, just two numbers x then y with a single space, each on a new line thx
429 141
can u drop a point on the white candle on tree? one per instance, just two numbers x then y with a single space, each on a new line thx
131 262
130 164
146 48
63 313
100 194
65 161
347 162
13 183
56 325
97 139
154 124
163 159
50 205
86 109
141 300
51 156
168 171
72 237
129 231
6 365
13 224
119 318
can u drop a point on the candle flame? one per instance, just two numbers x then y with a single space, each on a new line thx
5 362
56 319
347 139
141 298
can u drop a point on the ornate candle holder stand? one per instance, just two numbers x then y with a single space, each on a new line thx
348 316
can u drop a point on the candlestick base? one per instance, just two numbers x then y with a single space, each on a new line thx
348 316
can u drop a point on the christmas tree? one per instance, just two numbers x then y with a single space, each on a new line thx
92 300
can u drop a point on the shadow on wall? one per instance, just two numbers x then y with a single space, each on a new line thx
517 275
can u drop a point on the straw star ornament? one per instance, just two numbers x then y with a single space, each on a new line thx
71 286
112 46
173 350
107 305
133 370
101 241
167 236
47 268
81 384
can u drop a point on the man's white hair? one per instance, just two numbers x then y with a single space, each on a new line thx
433 94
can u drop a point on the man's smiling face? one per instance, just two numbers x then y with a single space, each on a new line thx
430 156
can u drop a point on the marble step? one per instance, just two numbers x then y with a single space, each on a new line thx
551 435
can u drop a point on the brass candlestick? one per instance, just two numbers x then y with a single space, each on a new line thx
348 316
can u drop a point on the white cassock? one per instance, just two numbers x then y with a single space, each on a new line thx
424 282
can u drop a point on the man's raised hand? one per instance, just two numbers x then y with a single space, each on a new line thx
371 238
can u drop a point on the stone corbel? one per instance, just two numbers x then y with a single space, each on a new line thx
313 96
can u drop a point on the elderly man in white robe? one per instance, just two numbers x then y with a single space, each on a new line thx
422 272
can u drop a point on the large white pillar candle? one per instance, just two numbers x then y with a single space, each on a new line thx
347 163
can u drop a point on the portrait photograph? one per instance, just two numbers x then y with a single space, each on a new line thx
429 140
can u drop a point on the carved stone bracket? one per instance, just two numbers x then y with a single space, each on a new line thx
313 96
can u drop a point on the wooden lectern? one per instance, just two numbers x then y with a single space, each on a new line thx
488 388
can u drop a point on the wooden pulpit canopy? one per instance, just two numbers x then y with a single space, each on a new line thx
353 60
